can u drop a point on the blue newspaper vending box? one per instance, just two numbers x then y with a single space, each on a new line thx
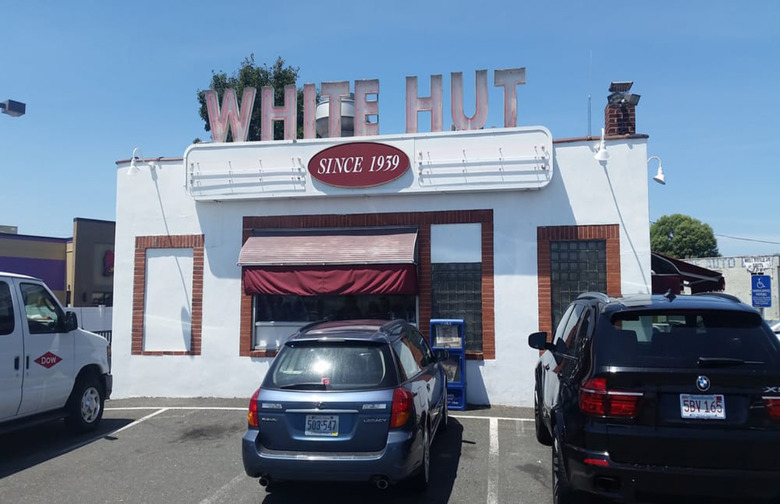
450 335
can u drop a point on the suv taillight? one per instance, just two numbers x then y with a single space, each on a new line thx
597 400
252 415
403 407
772 405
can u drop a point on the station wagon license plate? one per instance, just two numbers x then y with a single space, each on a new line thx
708 407
322 425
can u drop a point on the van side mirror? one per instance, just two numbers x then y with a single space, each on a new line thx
71 321
538 340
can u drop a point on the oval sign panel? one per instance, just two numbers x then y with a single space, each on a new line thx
358 164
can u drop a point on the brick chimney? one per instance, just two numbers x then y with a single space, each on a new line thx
620 112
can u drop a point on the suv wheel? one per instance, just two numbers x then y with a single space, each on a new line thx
542 434
562 491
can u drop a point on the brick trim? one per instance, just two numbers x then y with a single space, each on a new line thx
144 243
544 235
424 221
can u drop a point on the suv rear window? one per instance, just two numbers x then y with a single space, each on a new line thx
331 366
677 338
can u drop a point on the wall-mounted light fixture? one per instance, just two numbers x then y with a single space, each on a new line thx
133 169
659 176
13 108
601 150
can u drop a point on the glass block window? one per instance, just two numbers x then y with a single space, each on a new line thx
457 293
576 266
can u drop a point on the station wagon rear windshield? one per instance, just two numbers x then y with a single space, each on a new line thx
688 338
331 366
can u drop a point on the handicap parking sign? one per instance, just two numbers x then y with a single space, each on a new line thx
762 291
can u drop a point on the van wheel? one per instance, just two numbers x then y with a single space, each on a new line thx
85 406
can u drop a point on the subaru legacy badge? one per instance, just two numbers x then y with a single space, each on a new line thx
703 383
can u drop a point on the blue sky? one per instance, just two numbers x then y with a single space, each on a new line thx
100 78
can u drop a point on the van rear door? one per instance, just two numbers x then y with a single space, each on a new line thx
11 353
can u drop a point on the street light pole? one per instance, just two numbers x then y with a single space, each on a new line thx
13 108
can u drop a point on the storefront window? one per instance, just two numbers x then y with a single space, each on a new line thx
456 283
277 317
576 266
457 294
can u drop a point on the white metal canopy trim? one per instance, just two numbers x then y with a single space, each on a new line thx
508 159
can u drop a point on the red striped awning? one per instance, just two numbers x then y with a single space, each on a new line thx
327 261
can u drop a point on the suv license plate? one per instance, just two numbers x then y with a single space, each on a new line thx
708 407
322 425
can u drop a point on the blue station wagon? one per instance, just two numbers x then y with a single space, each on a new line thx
356 400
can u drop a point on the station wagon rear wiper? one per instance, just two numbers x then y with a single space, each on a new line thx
304 386
711 362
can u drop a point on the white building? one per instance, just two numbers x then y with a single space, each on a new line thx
223 252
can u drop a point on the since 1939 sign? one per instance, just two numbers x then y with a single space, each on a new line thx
358 164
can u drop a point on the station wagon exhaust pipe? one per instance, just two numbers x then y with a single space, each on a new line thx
382 483
263 481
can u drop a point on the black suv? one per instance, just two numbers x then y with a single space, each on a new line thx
660 399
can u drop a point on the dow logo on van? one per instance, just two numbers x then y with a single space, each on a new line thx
48 360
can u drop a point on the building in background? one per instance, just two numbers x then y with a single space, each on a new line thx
738 273
79 269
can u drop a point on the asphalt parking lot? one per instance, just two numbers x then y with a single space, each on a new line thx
188 451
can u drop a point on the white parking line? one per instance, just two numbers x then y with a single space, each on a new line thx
133 424
492 476
235 408
139 408
492 417
222 492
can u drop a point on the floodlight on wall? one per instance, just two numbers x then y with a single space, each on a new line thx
13 108
133 169
659 176
601 150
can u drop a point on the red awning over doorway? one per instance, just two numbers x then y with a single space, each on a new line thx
311 262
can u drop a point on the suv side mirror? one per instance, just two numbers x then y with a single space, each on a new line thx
71 322
538 340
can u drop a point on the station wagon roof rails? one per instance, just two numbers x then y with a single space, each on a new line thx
394 327
310 325
722 295
594 295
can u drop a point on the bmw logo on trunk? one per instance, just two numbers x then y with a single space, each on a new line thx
703 383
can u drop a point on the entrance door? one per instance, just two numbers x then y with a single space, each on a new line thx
48 351
11 354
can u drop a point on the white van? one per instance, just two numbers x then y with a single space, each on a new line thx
49 368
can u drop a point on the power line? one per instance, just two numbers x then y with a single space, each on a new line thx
739 238
747 239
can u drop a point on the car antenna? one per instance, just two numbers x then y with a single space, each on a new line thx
670 295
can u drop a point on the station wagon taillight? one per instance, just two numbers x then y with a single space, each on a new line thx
772 405
597 400
403 407
252 419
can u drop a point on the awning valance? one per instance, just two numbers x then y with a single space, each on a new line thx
310 262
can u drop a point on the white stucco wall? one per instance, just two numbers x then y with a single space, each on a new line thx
155 201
